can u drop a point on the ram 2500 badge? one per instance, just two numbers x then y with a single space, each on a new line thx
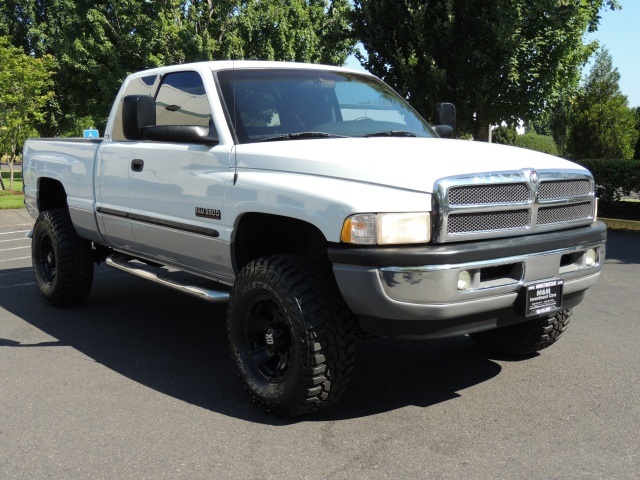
322 208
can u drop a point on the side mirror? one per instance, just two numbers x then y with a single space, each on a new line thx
445 117
138 112
444 131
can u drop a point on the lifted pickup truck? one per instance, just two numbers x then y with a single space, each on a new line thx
321 207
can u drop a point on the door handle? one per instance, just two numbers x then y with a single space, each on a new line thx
137 165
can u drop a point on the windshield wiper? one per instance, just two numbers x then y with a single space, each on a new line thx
391 133
300 136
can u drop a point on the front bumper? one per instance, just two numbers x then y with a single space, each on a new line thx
413 290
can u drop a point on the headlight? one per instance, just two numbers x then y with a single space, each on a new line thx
387 228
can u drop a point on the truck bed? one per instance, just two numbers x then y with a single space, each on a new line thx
70 161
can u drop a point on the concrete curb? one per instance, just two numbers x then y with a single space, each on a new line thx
15 217
614 224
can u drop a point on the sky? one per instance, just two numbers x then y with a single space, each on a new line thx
619 32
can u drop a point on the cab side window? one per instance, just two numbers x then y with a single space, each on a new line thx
181 100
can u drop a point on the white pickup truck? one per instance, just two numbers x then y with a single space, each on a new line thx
322 208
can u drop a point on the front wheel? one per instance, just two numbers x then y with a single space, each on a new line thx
62 261
524 338
290 335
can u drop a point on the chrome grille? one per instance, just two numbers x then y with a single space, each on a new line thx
565 213
510 203
486 221
563 189
489 194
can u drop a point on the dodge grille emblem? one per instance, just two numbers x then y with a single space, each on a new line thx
533 176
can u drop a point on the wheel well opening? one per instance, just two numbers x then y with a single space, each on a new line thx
51 194
258 235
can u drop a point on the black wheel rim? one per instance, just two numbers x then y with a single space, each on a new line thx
47 260
268 339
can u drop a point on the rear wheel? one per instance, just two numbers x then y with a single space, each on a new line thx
290 334
62 261
525 338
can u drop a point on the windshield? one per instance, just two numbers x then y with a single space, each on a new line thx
287 104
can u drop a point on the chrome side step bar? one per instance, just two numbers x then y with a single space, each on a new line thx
123 262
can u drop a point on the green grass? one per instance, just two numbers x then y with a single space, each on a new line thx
13 198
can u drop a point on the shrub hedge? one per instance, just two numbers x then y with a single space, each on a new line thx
614 178
540 143
504 135
17 175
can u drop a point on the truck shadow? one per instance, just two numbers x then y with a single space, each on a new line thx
622 247
177 345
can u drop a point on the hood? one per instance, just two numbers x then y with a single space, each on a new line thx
406 163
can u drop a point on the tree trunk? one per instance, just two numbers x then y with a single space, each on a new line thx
11 160
13 157
482 125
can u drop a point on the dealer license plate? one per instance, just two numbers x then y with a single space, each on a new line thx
543 297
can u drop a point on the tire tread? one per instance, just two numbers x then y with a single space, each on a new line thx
525 338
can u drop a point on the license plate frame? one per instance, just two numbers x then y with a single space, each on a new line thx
541 298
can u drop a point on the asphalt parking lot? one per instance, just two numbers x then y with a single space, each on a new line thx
137 383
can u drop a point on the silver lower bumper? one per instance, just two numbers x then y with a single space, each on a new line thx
431 292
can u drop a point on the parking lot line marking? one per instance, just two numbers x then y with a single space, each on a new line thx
15 240
14 248
12 259
17 231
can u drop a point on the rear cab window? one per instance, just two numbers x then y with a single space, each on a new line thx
180 99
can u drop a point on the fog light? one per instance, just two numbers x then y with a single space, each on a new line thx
464 280
591 257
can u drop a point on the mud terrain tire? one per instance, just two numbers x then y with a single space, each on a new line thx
291 336
62 261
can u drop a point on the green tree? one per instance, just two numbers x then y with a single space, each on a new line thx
96 43
560 119
25 89
554 120
497 60
602 125
313 31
